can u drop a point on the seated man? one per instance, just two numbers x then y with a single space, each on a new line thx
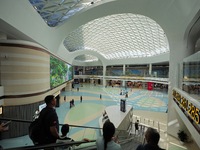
152 138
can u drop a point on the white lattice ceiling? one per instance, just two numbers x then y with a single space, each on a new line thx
119 36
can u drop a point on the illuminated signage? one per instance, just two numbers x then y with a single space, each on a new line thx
188 108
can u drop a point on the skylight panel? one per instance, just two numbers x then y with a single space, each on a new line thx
120 36
67 8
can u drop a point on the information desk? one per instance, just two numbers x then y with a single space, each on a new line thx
121 120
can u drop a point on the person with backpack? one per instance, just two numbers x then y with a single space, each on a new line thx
50 120
45 129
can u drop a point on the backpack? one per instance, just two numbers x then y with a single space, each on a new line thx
36 132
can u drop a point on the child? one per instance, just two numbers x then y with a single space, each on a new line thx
63 138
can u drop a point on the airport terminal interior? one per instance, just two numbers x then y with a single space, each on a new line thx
117 60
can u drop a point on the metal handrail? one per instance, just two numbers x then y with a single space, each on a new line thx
70 143
71 125
29 121
32 147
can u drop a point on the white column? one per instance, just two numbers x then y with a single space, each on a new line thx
124 69
150 69
124 73
104 74
83 70
83 73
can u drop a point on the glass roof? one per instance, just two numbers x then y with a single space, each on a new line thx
119 36
55 12
86 58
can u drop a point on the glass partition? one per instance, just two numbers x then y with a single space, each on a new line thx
191 75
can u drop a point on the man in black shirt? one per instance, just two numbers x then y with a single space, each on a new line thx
50 122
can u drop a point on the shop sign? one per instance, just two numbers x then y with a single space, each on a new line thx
189 109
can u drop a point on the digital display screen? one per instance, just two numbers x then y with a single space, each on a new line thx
60 72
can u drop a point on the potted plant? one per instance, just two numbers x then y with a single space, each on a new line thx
182 136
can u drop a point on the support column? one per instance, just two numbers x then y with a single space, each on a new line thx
83 70
104 74
124 69
150 69
83 73
124 73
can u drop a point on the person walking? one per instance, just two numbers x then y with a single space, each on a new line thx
137 127
65 98
100 96
81 98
